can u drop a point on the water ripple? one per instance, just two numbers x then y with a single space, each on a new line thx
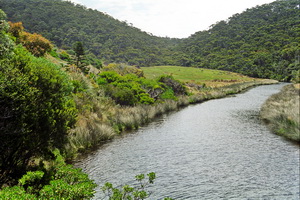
215 150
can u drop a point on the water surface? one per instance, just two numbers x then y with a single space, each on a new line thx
214 150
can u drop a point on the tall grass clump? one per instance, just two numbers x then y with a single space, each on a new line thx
95 111
106 109
281 112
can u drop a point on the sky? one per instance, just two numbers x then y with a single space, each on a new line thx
171 18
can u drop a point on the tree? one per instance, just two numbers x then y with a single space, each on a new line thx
6 44
36 44
16 29
79 52
36 111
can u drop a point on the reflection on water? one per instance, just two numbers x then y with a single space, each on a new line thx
215 150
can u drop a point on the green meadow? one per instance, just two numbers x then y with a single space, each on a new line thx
209 77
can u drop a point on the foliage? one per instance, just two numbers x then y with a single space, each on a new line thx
177 87
16 29
125 90
129 192
60 181
36 111
123 69
79 52
6 44
296 76
168 94
34 43
65 23
260 42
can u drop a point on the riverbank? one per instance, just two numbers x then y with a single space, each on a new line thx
190 152
281 112
92 130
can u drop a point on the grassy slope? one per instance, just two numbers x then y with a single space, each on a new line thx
211 78
99 119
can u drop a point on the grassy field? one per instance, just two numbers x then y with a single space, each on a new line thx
209 77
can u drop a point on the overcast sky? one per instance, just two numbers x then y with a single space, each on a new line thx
171 18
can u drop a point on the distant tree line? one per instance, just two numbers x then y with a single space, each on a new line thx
261 42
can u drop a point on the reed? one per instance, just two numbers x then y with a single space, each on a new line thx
281 112
89 132
101 120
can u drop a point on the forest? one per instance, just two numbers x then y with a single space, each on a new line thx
259 42
71 78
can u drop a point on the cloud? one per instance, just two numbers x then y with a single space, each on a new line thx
173 18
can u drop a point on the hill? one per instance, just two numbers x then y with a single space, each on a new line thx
65 23
260 42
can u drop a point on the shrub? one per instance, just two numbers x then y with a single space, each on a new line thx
36 44
64 56
37 110
128 192
121 95
6 44
177 86
61 181
168 94
124 69
125 90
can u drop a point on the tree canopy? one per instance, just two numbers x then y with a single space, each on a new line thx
261 42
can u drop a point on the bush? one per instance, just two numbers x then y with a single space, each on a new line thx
34 43
124 69
177 86
128 192
122 96
168 94
6 44
36 111
61 181
125 90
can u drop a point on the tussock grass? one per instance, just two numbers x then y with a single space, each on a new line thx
100 119
282 112
88 133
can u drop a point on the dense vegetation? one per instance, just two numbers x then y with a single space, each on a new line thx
282 112
71 106
41 103
260 42
65 23
37 110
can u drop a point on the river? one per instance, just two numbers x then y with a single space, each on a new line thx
218 149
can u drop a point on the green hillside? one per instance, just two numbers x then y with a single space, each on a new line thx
53 109
65 23
261 42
